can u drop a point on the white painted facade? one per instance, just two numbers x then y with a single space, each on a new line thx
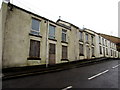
16 31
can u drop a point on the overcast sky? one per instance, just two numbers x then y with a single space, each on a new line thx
98 15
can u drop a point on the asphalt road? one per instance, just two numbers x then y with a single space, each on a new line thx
100 75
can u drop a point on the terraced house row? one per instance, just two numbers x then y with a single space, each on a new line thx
29 39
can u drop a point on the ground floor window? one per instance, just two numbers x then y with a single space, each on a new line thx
81 50
106 51
93 52
64 53
100 50
34 49
111 53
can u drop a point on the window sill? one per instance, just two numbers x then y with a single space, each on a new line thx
64 60
52 39
30 58
64 42
35 35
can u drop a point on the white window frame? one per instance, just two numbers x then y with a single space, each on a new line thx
64 32
36 30
49 32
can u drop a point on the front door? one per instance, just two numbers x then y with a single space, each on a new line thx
51 53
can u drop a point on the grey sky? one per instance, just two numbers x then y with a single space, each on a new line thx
98 15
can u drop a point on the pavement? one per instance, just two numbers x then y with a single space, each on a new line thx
16 72
99 76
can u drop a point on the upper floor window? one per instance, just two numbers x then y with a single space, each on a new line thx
86 37
35 26
103 41
106 42
99 39
51 32
64 33
81 36
92 39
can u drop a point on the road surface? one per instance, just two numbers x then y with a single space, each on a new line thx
100 75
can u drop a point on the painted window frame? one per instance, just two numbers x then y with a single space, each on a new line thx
80 36
64 53
34 46
51 36
33 30
64 33
81 50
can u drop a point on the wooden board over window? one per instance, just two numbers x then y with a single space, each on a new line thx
81 50
64 53
34 49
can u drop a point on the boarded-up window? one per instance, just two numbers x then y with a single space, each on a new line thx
81 49
93 51
64 52
34 49
100 50
111 53
106 51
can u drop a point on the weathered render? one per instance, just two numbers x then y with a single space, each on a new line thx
68 43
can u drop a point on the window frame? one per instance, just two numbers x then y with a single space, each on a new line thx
99 40
100 48
63 53
106 51
80 36
93 51
36 31
87 37
50 36
92 39
81 50
64 32
103 41
33 49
